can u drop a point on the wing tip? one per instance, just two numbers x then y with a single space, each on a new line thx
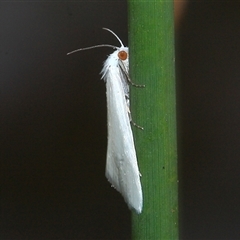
134 203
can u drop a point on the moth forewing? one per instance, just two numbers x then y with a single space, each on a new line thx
121 167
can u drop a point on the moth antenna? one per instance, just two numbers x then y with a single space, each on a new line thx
101 45
115 36
96 46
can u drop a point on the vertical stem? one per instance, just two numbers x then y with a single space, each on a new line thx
151 38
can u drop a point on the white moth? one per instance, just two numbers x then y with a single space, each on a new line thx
121 167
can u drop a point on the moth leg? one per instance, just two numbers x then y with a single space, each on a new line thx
135 125
124 70
130 115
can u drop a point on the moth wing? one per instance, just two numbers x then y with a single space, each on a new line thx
121 167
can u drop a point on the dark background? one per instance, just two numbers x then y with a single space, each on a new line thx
53 121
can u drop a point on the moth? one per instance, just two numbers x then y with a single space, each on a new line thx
121 165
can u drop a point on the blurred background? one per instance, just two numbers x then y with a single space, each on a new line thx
53 120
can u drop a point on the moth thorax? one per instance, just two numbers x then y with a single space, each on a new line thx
123 55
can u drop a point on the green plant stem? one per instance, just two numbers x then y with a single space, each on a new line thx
151 44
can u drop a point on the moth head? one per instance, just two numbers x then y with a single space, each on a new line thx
123 54
122 57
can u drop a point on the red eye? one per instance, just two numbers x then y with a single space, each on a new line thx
122 55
